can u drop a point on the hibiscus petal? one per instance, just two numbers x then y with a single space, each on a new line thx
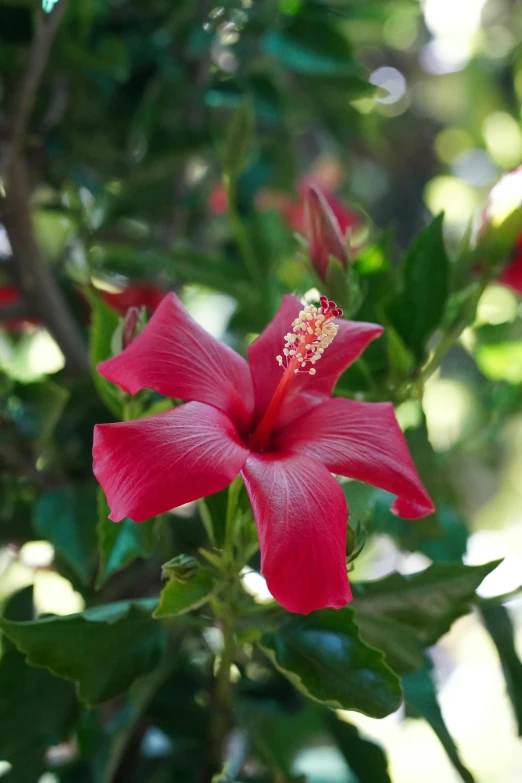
300 513
266 373
363 441
306 390
151 465
353 337
176 357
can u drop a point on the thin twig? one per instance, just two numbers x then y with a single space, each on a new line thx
26 94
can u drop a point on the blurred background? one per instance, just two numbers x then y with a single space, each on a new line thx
398 110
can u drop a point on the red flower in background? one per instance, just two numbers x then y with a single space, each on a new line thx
512 274
272 420
505 198
10 295
137 295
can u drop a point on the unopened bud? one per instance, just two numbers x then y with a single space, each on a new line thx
131 324
182 568
323 232
355 541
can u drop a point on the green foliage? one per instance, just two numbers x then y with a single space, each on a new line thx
36 710
179 596
325 658
418 309
104 324
120 544
102 650
127 118
64 517
499 625
403 615
366 759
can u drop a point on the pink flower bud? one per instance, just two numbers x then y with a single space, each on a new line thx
323 232
130 326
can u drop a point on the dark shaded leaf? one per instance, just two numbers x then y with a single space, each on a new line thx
120 543
103 649
36 710
366 759
35 408
312 46
500 627
67 518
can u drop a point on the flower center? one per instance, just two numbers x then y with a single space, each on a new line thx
312 332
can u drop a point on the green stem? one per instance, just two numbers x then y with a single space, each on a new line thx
239 231
224 697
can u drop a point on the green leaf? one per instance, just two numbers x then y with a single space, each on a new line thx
421 701
103 649
312 46
366 759
36 711
400 358
324 657
498 351
338 284
419 308
120 543
278 736
36 408
178 597
67 518
238 139
103 325
500 627
497 242
123 729
402 615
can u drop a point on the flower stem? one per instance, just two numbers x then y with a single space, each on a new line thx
223 694
239 231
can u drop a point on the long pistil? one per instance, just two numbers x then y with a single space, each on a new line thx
312 332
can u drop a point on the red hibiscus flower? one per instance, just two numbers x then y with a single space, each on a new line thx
272 420
137 295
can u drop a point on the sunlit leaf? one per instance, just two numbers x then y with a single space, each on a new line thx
323 655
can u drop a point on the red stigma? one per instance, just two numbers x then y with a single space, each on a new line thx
329 308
